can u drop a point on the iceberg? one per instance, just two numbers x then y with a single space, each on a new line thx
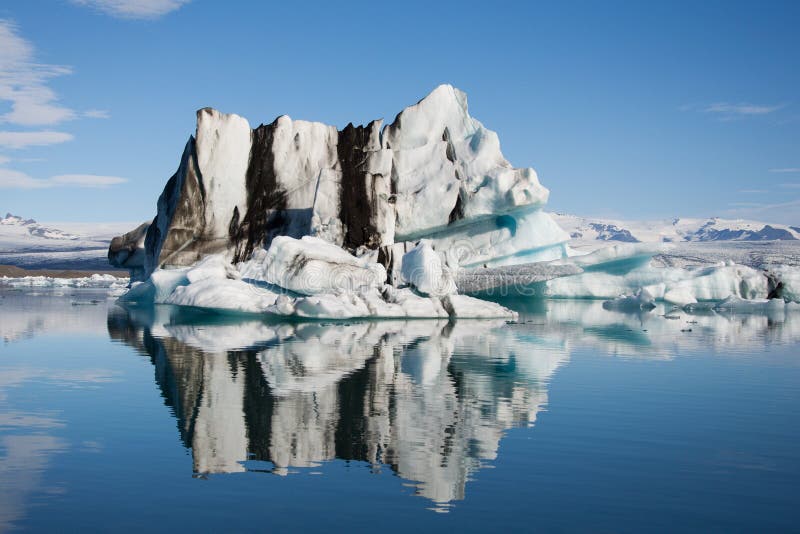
419 218
127 251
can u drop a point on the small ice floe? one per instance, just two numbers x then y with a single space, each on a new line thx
642 300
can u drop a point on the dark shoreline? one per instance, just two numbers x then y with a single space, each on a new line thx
18 272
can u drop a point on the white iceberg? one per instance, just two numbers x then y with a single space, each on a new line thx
319 220
215 284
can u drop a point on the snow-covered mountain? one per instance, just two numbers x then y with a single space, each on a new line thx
28 233
586 230
33 245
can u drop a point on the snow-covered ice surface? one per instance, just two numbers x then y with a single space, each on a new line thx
83 260
511 280
29 244
311 266
756 254
302 278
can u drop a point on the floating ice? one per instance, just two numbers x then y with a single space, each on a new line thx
99 281
424 269
642 300
214 284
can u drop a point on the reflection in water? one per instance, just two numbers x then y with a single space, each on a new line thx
25 314
24 459
27 445
430 399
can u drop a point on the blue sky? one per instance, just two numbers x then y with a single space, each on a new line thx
625 109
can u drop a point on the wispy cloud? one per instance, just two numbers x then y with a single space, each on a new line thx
97 114
746 204
729 111
786 170
753 191
4 160
790 185
11 179
741 109
133 9
86 180
26 139
23 82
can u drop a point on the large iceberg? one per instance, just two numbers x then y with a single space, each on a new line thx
434 172
297 218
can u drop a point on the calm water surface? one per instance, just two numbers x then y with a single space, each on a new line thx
571 419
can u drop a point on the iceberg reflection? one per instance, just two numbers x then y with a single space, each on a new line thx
429 399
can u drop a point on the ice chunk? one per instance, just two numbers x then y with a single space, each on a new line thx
674 285
224 295
424 269
642 300
214 284
128 251
312 266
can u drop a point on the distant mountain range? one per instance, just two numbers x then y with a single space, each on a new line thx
33 245
588 229
18 226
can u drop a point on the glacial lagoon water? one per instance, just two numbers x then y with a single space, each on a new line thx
573 418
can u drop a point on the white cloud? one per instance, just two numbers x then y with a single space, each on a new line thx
97 114
753 191
26 139
133 9
791 185
11 179
23 82
741 109
786 170
86 180
4 160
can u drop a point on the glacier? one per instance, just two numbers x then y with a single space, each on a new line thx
419 218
